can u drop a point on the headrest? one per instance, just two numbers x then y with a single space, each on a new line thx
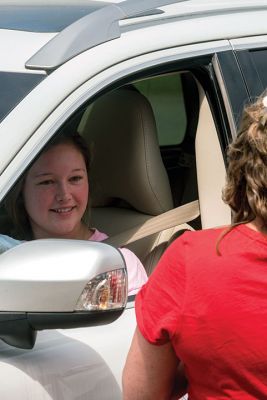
126 160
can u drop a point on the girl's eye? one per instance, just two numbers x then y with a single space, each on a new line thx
76 178
46 182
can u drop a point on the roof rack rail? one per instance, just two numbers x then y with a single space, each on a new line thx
85 33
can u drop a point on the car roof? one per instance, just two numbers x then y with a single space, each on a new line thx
54 16
108 22
82 24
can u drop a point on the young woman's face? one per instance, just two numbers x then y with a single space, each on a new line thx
56 193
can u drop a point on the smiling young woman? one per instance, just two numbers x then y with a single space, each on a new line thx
56 192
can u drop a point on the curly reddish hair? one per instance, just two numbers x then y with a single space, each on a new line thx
246 182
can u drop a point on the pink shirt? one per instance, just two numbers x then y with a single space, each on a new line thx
136 273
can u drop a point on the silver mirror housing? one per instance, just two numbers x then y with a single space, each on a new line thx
56 283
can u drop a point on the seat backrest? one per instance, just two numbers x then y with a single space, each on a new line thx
126 160
129 183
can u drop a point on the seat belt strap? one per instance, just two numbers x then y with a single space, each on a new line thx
177 216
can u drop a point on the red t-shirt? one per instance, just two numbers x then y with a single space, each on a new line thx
214 311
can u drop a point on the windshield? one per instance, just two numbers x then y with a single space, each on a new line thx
14 86
46 18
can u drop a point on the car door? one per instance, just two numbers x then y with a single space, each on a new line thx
87 362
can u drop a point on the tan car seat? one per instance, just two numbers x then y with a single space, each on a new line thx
129 183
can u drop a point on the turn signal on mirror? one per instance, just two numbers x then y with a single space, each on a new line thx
106 291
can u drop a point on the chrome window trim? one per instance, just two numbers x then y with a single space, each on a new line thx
249 43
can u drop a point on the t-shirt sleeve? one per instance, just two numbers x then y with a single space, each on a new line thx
160 302
7 242
137 275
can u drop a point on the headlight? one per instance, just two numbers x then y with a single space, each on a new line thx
106 291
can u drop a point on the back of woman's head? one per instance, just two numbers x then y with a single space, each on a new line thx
246 184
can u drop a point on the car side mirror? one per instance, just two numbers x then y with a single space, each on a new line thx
58 283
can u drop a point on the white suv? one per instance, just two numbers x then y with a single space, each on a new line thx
156 87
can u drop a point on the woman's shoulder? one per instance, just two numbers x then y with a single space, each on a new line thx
196 242
203 235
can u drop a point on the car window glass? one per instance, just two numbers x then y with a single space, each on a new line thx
165 95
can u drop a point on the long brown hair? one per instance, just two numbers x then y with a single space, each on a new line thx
14 202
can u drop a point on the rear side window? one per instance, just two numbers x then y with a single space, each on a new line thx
253 64
14 87
260 60
165 95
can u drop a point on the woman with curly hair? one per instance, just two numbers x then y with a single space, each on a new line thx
205 305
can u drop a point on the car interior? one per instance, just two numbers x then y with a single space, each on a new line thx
137 185
154 147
